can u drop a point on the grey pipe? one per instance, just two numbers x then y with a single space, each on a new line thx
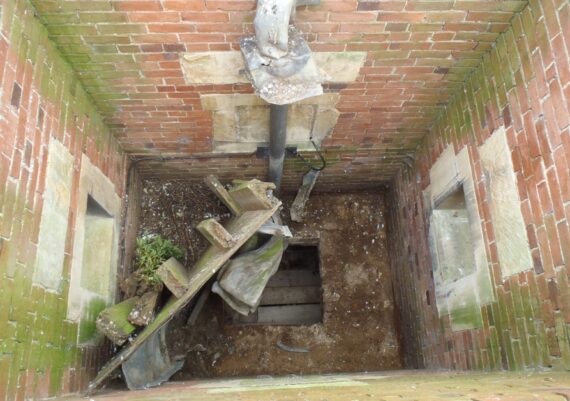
277 140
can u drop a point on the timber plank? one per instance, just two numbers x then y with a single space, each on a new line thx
241 228
289 314
294 278
291 295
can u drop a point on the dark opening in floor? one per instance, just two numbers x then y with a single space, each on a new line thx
332 290
293 296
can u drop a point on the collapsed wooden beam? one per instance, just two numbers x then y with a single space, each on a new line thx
174 276
217 188
216 234
252 194
241 228
114 321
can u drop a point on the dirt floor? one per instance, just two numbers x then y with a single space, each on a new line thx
402 386
358 332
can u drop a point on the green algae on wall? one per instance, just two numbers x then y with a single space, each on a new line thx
38 345
87 328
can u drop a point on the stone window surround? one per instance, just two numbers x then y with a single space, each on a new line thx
448 173
94 183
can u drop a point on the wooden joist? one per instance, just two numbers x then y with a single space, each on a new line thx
217 188
241 228
252 194
174 276
114 321
216 234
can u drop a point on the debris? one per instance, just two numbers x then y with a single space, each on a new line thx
114 322
252 243
242 280
287 348
217 188
174 276
143 311
198 307
151 364
252 195
298 206
216 234
130 285
275 229
210 262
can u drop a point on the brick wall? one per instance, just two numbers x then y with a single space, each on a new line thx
128 55
523 84
40 98
355 168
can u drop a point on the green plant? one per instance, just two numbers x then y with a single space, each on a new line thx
151 252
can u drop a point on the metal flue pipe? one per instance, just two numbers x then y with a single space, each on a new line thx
277 139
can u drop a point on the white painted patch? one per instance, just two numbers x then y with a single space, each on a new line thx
504 203
48 266
224 67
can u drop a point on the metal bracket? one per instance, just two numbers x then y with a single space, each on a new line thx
262 152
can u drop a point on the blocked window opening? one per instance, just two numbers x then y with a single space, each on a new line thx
453 238
293 296
97 254
453 260
96 265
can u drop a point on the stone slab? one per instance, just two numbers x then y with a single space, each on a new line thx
504 203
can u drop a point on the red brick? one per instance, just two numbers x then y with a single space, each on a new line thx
154 17
135 5
205 16
166 28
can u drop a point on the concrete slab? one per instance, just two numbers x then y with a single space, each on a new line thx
213 68
504 203
241 121
225 67
95 250
55 215
459 259
399 385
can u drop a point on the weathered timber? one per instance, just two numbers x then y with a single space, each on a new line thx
222 194
174 276
151 364
289 314
198 307
298 206
241 228
291 295
275 229
216 234
114 322
143 311
252 194
243 279
294 278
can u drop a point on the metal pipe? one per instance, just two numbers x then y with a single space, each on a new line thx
277 140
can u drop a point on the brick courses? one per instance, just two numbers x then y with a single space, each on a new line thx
40 99
126 54
437 73
523 84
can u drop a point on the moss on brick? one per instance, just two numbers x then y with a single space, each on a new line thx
87 327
